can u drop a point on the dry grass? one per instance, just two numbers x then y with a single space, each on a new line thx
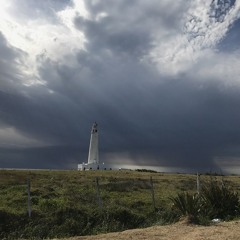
178 231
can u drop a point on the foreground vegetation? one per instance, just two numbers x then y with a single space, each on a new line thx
216 201
68 203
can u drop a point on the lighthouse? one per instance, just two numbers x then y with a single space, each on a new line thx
93 162
93 154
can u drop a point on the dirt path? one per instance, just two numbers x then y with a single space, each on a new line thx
178 231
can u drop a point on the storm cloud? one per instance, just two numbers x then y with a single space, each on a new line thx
160 78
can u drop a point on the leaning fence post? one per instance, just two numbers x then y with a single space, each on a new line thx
29 197
98 194
153 197
198 183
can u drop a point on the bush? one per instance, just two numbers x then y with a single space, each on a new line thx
216 200
219 201
188 205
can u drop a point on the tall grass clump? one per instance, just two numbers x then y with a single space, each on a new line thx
188 205
219 200
216 200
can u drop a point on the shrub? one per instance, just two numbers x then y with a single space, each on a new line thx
219 201
216 200
188 205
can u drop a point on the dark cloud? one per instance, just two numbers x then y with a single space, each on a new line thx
127 41
29 109
118 31
11 59
155 119
177 122
57 157
41 116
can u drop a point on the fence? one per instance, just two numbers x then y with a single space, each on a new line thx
150 185
46 190
50 204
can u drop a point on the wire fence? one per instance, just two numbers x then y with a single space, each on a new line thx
43 191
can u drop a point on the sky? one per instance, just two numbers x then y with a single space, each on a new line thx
161 78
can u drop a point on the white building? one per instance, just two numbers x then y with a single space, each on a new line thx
93 154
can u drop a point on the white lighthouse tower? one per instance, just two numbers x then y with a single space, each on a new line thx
93 154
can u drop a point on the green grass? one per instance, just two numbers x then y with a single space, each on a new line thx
65 203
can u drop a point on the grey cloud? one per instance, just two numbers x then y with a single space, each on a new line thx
32 10
140 13
29 109
219 9
11 58
180 122
7 53
174 122
128 41
177 122
130 26
57 157
8 72
42 116
230 42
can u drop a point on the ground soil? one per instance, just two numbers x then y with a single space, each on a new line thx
178 231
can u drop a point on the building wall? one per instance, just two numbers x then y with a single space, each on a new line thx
95 166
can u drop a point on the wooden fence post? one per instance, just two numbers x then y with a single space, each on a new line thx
198 183
98 194
153 196
29 197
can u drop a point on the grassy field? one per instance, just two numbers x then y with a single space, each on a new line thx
66 203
